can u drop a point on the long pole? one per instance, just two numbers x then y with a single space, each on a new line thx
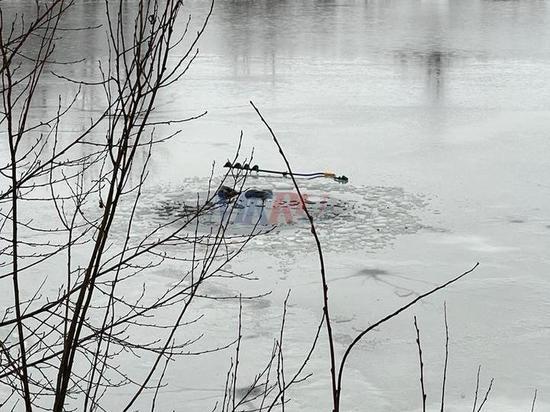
255 168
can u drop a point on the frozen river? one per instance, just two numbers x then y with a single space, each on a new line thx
439 113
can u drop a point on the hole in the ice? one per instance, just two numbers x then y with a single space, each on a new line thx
350 217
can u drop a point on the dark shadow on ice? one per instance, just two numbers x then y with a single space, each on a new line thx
381 276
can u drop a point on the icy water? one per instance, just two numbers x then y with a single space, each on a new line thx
439 113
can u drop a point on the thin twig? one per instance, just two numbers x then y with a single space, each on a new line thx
486 395
237 352
534 401
477 388
422 388
326 311
392 315
446 358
